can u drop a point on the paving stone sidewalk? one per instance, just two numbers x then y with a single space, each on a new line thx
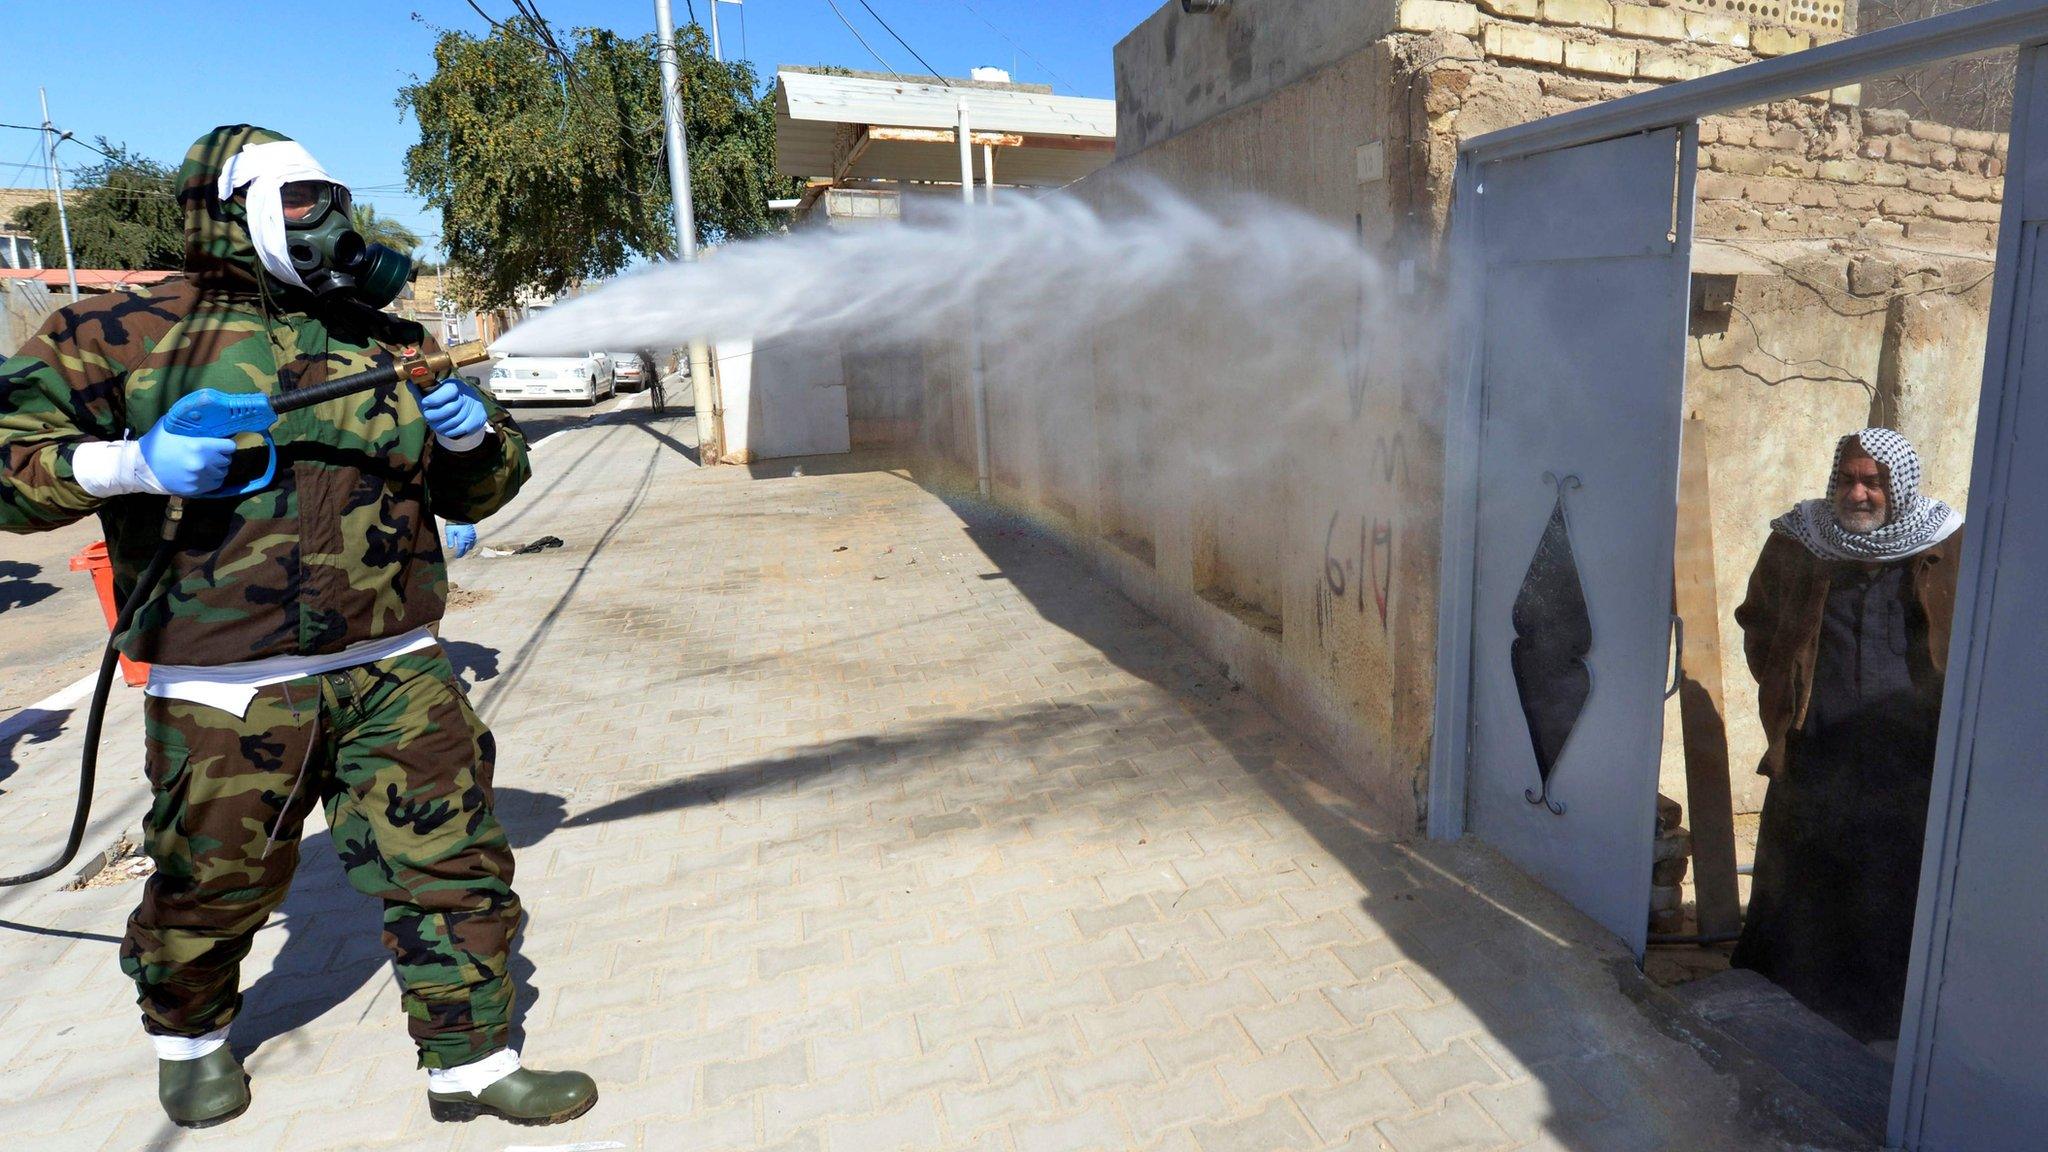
852 819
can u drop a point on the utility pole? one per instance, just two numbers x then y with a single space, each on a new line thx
710 421
50 138
979 392
717 51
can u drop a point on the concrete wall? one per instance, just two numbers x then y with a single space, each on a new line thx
1176 70
24 305
785 396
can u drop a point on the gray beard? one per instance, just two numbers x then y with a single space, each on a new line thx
1859 522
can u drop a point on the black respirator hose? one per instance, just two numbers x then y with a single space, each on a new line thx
110 659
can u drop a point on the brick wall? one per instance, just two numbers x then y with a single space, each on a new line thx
1812 171
1815 168
1606 40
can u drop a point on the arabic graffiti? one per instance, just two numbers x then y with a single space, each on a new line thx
1352 574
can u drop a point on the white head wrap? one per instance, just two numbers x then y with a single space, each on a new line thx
1913 522
264 169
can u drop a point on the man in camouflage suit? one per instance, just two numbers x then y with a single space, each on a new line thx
297 618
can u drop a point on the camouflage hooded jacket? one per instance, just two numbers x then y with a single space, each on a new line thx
341 548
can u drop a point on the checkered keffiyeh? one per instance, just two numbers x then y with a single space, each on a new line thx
1913 523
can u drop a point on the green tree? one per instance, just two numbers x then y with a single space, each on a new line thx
123 213
548 166
375 229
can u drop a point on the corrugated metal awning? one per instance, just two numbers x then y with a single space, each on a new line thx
863 128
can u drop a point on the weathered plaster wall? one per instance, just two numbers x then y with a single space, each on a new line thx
1176 70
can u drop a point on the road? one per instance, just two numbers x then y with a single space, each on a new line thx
51 625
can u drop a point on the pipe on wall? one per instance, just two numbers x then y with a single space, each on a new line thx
974 366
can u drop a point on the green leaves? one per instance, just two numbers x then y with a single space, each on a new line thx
548 176
123 213
376 229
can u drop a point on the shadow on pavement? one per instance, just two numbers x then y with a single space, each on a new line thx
474 663
644 420
27 727
838 464
902 750
19 589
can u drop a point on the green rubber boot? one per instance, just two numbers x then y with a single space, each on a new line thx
204 1092
524 1097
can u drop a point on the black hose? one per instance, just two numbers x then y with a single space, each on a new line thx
346 386
110 659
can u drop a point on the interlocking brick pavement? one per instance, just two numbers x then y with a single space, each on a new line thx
857 820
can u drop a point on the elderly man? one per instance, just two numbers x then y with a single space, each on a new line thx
1846 628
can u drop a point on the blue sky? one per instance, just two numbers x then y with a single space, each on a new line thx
156 73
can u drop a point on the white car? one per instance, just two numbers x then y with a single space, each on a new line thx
586 379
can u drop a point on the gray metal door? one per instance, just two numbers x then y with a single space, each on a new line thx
1587 263
1973 1050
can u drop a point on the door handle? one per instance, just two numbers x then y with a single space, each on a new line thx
1677 655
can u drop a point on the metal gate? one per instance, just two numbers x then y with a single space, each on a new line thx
1973 1051
1586 274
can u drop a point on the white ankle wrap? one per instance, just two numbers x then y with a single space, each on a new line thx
476 1075
189 1047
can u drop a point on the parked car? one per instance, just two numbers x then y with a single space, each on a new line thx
585 379
629 370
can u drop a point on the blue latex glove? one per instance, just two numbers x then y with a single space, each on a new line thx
455 409
186 465
460 539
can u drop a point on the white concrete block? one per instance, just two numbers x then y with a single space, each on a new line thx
1437 16
1372 161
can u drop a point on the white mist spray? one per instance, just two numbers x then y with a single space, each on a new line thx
1034 269
1142 351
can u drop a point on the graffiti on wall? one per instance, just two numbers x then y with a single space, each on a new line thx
1359 545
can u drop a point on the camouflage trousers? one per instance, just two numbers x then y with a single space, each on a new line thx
402 766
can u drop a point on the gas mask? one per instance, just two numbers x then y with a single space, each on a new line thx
327 252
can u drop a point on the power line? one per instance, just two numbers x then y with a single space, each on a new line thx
906 44
62 137
1019 47
35 157
857 36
